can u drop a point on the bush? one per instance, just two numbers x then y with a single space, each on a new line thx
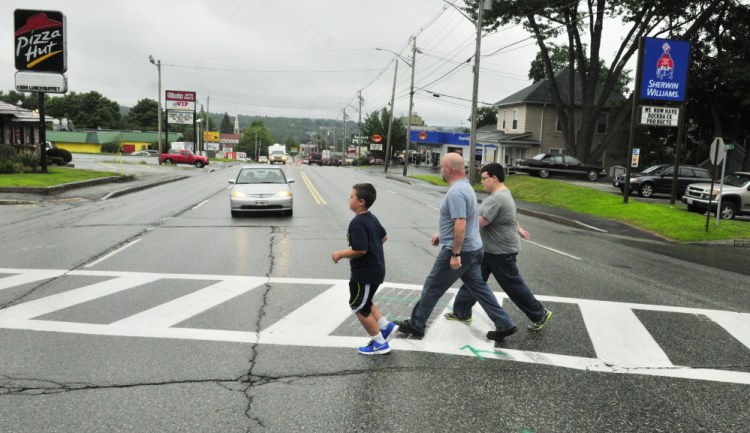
28 158
9 166
7 152
60 153
362 160
110 147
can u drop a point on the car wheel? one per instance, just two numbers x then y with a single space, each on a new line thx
727 211
592 175
544 173
167 161
694 208
198 164
646 190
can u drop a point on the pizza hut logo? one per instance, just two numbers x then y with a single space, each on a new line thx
40 41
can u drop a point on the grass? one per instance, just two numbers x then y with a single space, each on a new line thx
672 222
54 176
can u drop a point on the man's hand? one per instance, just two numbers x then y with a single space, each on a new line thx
435 240
455 262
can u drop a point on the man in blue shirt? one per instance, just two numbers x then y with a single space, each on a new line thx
460 256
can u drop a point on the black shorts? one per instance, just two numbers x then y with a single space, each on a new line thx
360 297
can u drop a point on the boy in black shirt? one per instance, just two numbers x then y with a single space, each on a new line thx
366 237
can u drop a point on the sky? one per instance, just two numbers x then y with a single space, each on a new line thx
283 58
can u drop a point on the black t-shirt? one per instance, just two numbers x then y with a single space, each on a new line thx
366 234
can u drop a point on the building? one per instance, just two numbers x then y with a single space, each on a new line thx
95 141
18 126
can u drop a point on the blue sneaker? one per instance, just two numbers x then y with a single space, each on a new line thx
390 331
375 349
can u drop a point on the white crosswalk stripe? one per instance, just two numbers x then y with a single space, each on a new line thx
622 343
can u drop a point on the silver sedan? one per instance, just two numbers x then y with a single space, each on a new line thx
261 189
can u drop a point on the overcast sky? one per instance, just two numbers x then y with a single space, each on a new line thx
301 58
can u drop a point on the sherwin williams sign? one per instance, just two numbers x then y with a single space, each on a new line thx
40 41
665 68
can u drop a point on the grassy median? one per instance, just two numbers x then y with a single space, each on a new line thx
54 176
672 222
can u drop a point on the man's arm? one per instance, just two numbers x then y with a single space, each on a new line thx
483 222
459 233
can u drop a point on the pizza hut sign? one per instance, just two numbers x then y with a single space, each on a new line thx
40 41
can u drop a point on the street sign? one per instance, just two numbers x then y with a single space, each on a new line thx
717 150
635 158
659 116
729 146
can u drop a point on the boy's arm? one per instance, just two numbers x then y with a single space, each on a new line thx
385 238
346 254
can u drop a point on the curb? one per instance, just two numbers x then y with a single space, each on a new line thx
51 190
124 191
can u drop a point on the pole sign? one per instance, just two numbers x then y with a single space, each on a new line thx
179 100
659 116
635 158
664 71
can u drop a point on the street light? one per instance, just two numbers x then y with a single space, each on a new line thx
158 99
411 94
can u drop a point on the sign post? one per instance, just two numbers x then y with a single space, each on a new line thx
717 153
41 60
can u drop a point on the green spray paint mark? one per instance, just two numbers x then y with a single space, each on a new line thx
478 353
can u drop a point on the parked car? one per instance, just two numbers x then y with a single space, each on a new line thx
260 189
177 156
619 180
659 180
145 153
316 159
735 196
545 165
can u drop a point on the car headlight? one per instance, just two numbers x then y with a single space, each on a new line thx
284 194
238 194
633 180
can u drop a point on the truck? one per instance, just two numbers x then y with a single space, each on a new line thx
177 156
277 154
735 196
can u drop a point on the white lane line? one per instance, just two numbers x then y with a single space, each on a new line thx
620 338
738 325
42 306
185 307
26 276
105 257
309 316
553 250
200 204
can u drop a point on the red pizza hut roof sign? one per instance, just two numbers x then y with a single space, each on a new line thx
40 41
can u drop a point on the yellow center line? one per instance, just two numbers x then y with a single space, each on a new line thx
318 199
107 165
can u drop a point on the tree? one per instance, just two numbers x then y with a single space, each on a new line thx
546 20
28 101
86 110
143 115
227 127
256 139
486 115
377 123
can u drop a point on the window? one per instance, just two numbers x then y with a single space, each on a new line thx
503 120
556 151
601 124
558 125
515 118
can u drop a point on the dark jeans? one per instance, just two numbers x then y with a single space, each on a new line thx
442 276
503 268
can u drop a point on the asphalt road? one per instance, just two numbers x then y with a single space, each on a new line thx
157 311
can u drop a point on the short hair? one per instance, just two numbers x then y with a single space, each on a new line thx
494 169
366 192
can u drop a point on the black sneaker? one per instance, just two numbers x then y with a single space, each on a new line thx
500 335
405 327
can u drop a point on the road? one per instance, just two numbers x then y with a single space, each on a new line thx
159 312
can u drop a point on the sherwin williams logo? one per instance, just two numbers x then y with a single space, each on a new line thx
664 71
665 65
40 42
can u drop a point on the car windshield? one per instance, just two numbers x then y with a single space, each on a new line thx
260 176
736 179
654 169
539 157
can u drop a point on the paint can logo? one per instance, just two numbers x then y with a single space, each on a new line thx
665 64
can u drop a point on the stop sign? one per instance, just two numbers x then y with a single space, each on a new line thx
717 150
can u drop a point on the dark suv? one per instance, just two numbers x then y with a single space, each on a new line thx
658 179
316 159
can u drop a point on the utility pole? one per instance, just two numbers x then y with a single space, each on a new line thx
343 140
411 101
388 147
474 99
359 123
158 100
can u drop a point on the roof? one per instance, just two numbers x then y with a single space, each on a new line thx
541 92
490 133
101 137
21 114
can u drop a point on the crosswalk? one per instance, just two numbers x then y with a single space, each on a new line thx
621 342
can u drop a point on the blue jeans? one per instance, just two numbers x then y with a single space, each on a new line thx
442 276
503 268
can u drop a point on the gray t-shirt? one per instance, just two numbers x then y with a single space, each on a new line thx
500 235
460 202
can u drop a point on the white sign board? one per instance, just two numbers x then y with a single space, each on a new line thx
376 146
180 117
659 116
41 82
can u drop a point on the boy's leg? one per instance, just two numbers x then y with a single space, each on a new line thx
369 323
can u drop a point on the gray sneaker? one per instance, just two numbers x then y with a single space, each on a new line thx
456 317
540 324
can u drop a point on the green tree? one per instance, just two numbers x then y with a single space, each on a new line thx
86 110
29 101
377 123
255 140
227 127
547 20
486 115
143 115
